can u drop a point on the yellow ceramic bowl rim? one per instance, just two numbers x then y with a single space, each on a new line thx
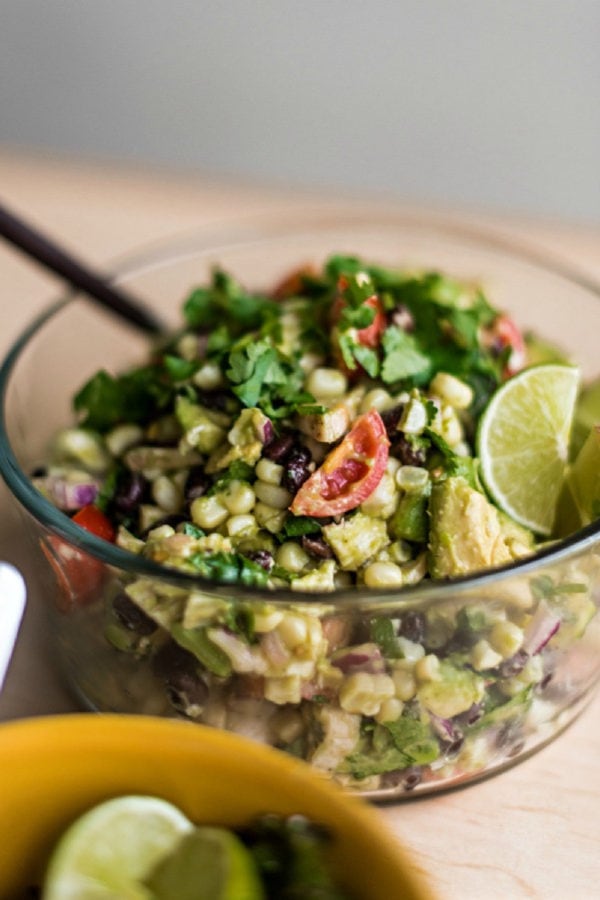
52 769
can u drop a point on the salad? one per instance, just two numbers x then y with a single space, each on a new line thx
324 435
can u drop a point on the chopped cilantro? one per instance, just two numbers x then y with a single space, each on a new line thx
180 369
296 526
229 568
192 530
134 397
237 471
384 634
402 357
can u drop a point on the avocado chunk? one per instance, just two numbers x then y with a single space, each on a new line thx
465 532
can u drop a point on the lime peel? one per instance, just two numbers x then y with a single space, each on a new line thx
109 850
523 443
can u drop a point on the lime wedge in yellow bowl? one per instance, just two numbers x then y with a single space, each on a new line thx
57 768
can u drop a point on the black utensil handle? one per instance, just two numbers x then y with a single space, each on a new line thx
44 251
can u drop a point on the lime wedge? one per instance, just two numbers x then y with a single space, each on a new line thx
107 852
523 443
587 414
208 862
583 479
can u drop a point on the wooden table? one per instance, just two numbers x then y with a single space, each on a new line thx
534 832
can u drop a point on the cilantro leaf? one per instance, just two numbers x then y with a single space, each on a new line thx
402 357
296 526
180 369
134 397
237 471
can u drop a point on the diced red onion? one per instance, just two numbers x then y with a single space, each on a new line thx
543 625
69 495
362 658
266 432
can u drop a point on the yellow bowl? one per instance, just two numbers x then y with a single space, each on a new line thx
53 769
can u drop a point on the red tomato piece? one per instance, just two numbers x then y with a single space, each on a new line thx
371 335
93 520
79 576
349 474
504 333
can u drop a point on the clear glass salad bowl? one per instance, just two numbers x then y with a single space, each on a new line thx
476 721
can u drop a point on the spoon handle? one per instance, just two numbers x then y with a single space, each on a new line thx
12 604
44 251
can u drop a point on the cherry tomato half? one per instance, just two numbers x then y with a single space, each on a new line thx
79 576
349 474
93 519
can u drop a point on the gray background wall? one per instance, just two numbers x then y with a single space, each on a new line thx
485 103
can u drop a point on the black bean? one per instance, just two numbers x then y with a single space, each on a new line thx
131 489
412 626
196 484
219 399
263 558
132 617
405 451
296 469
179 671
514 664
278 449
472 715
316 546
390 418
185 690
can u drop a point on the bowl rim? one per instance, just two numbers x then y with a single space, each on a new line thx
257 228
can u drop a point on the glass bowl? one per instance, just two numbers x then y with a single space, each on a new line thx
477 723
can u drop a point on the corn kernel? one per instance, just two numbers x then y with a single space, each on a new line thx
390 710
123 438
208 377
363 693
323 382
378 399
383 500
267 620
452 390
166 494
405 685
412 479
208 512
428 668
283 690
241 525
292 630
268 471
238 498
272 495
483 656
383 574
292 557
506 638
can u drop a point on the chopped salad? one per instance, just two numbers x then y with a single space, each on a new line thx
319 436
297 438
